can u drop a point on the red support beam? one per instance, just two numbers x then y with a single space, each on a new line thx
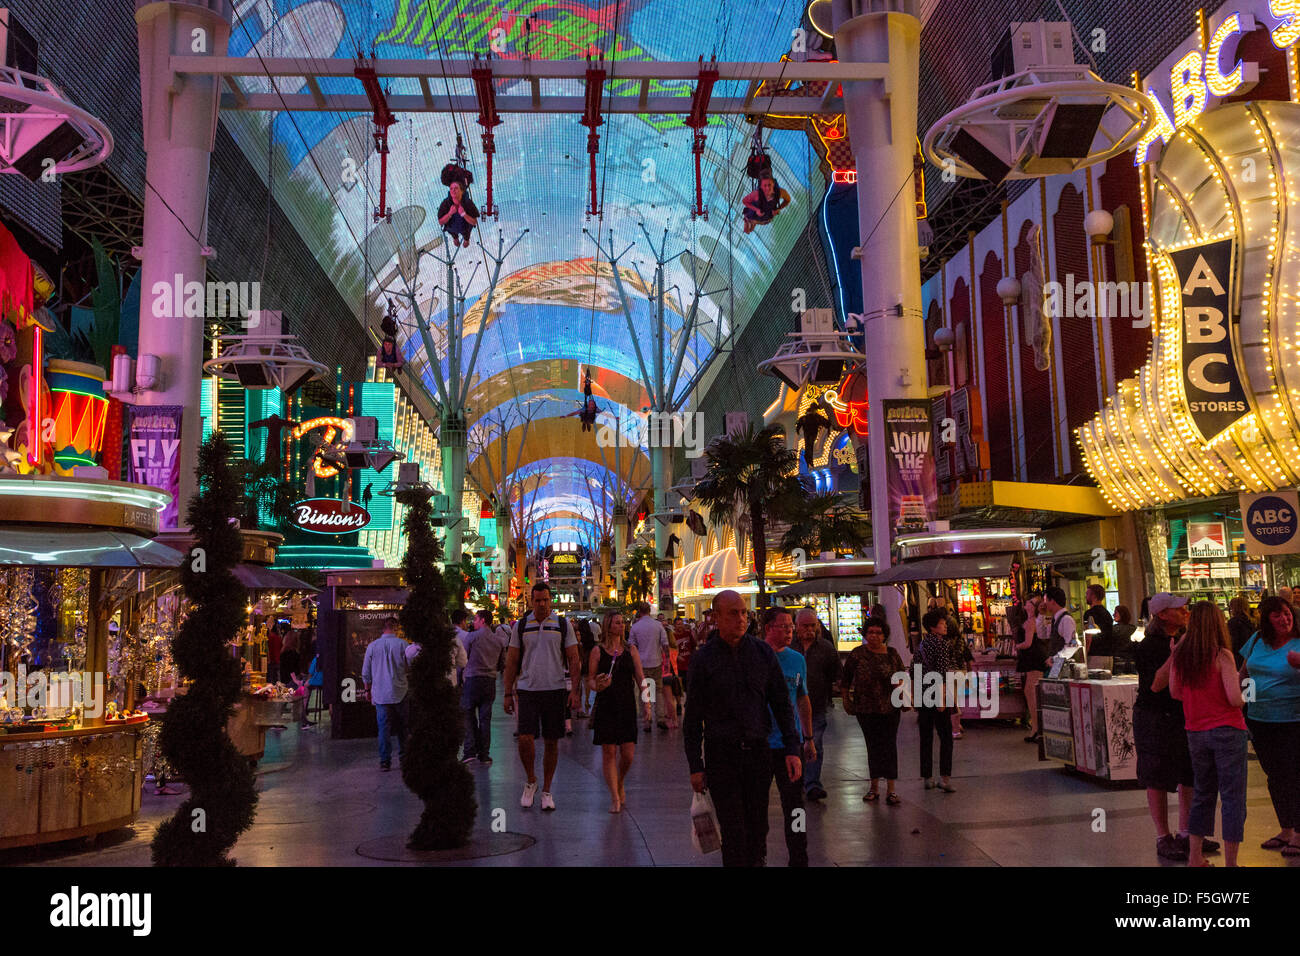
488 118
383 118
591 119
698 120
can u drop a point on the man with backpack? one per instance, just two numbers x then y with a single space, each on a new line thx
540 645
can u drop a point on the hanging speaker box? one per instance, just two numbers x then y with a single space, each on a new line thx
978 156
40 140
827 371
252 375
1070 130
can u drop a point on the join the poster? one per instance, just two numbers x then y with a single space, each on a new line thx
666 591
910 467
154 452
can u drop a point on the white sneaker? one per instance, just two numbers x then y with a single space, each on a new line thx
548 801
530 790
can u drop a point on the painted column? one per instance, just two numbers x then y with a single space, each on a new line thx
504 533
180 123
661 468
620 544
882 121
455 451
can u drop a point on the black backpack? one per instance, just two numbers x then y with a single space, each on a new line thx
519 630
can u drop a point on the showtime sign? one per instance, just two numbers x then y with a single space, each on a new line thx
328 516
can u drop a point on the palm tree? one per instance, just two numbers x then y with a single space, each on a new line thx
467 577
821 523
751 473
639 574
268 498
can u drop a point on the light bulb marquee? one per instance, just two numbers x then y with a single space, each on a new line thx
1227 177
334 427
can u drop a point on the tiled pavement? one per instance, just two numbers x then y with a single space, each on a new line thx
322 799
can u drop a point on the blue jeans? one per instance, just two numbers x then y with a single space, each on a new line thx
1219 762
476 701
812 771
392 718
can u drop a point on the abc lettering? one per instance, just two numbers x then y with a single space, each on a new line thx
1204 326
1272 516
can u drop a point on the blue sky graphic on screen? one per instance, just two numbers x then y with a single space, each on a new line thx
556 311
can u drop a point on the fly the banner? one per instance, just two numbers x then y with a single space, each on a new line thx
1216 398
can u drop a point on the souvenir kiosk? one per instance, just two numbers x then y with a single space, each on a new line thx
71 551
156 616
838 589
351 614
980 574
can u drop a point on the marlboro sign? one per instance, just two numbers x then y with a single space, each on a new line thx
327 516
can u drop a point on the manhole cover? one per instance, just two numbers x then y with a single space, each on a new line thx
393 848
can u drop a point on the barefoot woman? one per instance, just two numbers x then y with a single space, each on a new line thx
615 668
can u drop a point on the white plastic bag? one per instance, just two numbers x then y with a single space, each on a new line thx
705 832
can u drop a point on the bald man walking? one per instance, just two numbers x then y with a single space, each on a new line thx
737 691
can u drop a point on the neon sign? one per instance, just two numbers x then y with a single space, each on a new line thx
1198 74
333 427
849 403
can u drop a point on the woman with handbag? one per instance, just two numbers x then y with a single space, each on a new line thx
672 683
1031 659
617 678
1271 659
866 692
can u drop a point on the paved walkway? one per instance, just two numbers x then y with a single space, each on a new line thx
322 799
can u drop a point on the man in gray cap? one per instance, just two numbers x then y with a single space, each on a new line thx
1164 764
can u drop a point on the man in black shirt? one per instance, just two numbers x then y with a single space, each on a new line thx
737 687
1096 616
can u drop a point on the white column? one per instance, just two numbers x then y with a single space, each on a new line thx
882 119
620 544
180 122
455 451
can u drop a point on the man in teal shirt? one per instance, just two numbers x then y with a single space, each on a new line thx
778 631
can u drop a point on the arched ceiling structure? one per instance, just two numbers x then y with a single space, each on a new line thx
556 311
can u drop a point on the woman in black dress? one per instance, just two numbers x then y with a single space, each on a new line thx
614 669
1031 659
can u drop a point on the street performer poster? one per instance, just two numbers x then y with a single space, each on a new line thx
909 464
153 452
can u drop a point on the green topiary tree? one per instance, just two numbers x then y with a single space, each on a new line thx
222 798
429 765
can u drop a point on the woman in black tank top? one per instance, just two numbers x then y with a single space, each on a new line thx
615 672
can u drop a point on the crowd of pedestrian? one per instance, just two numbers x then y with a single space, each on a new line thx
758 691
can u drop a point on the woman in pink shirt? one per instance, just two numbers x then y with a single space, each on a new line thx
1202 673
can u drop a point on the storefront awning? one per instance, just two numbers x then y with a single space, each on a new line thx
954 567
849 584
707 576
71 547
257 578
